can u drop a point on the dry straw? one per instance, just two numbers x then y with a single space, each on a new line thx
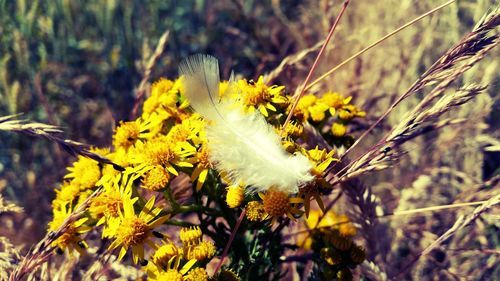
52 133
424 118
43 250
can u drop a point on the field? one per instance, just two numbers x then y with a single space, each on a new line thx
400 140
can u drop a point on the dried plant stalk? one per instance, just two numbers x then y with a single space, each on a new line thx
52 133
6 206
44 249
142 89
9 257
461 222
460 58
289 61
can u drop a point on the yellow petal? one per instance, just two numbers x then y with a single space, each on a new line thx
196 173
296 200
263 110
172 170
123 251
187 266
201 179
159 221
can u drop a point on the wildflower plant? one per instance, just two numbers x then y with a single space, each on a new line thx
169 140
203 182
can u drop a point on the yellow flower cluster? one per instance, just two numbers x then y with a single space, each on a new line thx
153 149
169 140
331 239
167 259
330 107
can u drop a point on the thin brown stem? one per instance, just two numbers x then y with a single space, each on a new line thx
376 43
315 65
231 238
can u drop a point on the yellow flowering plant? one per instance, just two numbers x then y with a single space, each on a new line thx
235 180
139 206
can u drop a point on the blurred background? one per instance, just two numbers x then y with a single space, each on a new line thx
78 65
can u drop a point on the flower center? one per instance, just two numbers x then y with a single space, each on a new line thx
276 203
156 179
133 231
159 153
202 156
126 134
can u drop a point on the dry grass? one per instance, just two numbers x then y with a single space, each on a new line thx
437 147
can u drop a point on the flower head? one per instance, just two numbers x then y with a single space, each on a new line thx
203 251
165 100
257 95
203 165
197 274
338 130
235 196
68 193
164 254
255 211
161 151
133 231
190 235
85 172
70 239
277 203
128 133
156 178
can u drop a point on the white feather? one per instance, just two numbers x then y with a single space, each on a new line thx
241 144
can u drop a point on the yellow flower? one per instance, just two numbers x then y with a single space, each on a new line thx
164 94
204 250
317 112
302 110
235 196
161 151
197 274
110 203
70 239
190 235
257 95
190 129
254 211
156 178
119 157
293 129
278 203
348 112
334 101
128 133
320 158
330 221
201 171
85 172
224 86
164 253
67 194
290 145
338 129
107 204
134 231
171 272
